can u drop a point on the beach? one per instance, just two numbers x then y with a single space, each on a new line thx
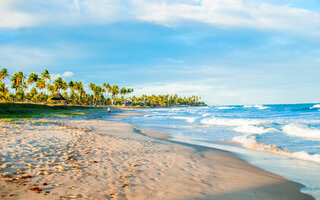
101 159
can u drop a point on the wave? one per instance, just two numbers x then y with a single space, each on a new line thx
230 121
188 119
253 129
261 107
225 108
298 130
205 114
250 142
317 106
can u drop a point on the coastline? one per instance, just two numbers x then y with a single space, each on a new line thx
109 159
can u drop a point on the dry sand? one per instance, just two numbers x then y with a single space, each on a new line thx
92 159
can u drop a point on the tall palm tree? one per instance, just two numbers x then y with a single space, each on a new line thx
44 78
123 91
107 88
17 80
115 92
59 84
3 74
97 92
33 78
72 88
80 90
41 84
18 84
92 87
4 94
50 88
33 94
45 75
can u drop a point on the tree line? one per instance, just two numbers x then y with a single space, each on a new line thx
41 88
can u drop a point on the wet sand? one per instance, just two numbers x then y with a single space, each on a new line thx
93 159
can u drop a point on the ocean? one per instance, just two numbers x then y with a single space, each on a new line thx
283 139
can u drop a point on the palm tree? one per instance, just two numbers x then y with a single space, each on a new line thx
107 88
123 91
17 80
59 84
115 92
97 92
3 74
33 78
33 94
41 84
72 88
92 87
18 84
4 94
50 88
45 75
80 90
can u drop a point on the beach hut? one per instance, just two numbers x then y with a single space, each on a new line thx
127 102
58 97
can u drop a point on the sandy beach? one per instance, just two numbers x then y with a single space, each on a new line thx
93 159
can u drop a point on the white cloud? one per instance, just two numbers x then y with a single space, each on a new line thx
55 76
67 74
232 13
12 18
226 13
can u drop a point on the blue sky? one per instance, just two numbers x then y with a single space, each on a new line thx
226 51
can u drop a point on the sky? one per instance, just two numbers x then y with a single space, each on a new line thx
226 51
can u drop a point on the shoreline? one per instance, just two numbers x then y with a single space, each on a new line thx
116 160
167 136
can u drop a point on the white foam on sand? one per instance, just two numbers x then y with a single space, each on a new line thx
299 130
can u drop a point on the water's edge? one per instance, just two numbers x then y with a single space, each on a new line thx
267 161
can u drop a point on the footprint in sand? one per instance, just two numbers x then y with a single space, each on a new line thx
126 185
113 195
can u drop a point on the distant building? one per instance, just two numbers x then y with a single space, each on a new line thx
58 97
127 102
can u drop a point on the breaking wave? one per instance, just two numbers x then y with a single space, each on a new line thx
317 106
250 142
253 129
225 108
188 119
230 121
261 107
299 130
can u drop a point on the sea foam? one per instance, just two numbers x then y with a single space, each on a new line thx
261 107
253 129
250 142
299 130
317 106
188 119
225 108
230 121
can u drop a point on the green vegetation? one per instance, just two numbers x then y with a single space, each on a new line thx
10 111
40 89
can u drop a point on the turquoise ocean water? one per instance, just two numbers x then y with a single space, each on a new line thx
283 139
